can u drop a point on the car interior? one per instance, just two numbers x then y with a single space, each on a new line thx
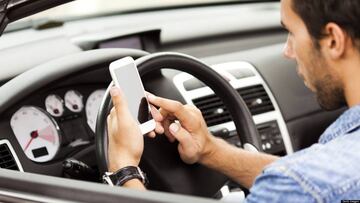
54 96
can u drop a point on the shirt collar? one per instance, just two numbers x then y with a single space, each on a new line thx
347 122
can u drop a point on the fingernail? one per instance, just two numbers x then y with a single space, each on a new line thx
174 127
114 91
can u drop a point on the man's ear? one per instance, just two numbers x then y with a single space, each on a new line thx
335 42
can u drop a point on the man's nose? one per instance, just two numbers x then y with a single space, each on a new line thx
288 51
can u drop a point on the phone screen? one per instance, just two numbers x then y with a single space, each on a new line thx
129 81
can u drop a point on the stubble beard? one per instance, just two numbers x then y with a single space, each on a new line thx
329 89
330 95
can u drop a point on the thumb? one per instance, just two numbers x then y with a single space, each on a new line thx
181 134
118 100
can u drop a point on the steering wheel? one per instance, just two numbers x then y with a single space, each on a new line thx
161 160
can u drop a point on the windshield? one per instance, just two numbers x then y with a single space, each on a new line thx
79 8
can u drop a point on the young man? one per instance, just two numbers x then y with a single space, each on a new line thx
324 39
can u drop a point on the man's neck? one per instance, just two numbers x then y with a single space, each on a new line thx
351 81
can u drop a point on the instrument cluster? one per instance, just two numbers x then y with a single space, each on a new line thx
56 124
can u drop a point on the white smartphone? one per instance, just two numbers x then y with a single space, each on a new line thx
126 76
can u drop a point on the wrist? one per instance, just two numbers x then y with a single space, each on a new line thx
210 149
120 163
135 184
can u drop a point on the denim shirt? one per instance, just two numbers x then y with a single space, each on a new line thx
328 171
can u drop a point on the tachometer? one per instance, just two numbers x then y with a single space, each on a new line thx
37 133
74 101
92 107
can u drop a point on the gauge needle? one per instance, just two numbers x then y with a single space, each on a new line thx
28 144
34 134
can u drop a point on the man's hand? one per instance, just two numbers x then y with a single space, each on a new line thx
195 141
196 144
126 143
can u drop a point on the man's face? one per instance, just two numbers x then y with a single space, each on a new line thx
313 67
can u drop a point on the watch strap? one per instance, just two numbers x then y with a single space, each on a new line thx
120 177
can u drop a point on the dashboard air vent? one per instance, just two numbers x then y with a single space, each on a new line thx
213 110
256 99
7 160
215 113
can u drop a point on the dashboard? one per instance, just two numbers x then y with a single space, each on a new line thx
52 124
54 120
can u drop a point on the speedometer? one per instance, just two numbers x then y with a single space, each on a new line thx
37 133
92 107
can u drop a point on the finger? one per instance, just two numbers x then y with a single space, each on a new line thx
173 107
170 137
181 135
147 93
108 120
167 132
112 112
111 124
156 114
151 134
159 129
118 100
168 119
166 115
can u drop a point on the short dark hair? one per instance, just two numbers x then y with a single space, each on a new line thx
316 14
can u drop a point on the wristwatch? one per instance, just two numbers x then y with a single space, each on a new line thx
120 177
